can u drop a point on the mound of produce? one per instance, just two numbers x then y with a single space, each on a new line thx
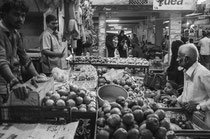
77 98
133 118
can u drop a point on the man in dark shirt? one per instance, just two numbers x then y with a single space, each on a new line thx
12 52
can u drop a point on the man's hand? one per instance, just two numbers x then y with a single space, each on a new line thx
190 106
20 91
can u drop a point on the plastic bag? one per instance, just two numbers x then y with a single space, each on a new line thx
60 75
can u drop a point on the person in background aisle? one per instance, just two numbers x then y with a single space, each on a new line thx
167 43
110 45
51 46
123 44
137 50
12 52
134 40
173 73
204 46
196 92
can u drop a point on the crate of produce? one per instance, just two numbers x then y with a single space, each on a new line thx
82 103
186 124
34 114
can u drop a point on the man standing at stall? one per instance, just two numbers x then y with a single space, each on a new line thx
196 91
12 52
51 46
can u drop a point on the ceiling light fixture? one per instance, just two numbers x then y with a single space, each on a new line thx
112 20
112 25
118 27
165 22
193 14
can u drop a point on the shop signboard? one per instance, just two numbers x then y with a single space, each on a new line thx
110 2
174 4
201 22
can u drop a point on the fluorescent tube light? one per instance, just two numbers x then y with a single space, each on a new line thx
193 14
112 20
166 22
112 25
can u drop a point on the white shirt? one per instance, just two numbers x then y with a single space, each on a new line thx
204 45
197 88
52 42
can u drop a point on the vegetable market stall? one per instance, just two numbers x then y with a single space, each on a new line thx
56 102
138 117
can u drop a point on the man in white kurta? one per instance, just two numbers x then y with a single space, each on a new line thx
196 92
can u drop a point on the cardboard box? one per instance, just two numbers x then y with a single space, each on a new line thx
35 94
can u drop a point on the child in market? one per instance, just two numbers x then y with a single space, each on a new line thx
169 93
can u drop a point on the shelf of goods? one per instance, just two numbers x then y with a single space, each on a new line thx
60 104
112 62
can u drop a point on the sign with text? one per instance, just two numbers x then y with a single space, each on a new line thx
174 4
110 2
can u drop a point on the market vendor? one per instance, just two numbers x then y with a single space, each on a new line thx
196 92
51 46
12 52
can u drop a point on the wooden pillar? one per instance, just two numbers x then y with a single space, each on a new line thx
174 29
158 32
102 35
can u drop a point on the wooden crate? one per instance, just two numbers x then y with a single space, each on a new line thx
34 114
201 130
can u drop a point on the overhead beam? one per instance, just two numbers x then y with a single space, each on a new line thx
124 21
107 8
